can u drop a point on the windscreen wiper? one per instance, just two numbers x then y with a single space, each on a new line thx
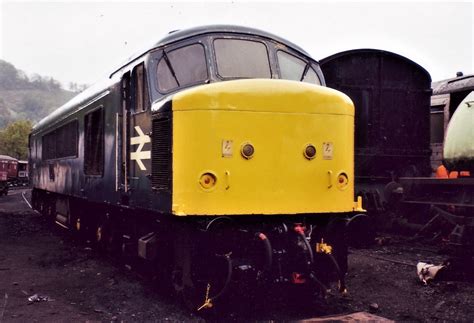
168 63
306 69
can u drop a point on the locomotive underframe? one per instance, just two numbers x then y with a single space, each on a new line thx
207 259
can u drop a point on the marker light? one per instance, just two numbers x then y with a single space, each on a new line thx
309 151
207 180
342 181
247 151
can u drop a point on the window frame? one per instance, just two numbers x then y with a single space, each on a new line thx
145 88
53 133
309 65
437 111
250 39
171 49
102 157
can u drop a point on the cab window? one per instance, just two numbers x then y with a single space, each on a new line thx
182 67
238 58
140 89
311 77
295 68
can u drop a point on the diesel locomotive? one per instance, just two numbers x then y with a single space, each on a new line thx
216 156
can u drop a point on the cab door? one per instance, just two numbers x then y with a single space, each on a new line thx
136 131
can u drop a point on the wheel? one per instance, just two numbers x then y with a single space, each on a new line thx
201 274
361 231
201 282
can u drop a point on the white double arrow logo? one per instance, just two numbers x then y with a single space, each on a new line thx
138 155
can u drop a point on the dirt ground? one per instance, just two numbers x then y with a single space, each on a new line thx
80 285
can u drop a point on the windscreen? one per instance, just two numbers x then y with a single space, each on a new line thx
295 68
238 58
181 67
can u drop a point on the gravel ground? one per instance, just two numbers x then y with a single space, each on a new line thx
81 285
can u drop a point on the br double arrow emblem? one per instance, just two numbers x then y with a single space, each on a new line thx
139 155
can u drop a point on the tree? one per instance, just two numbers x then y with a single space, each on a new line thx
4 113
8 75
32 105
14 139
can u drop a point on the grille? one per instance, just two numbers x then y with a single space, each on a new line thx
161 153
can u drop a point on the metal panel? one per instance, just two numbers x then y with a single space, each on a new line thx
391 95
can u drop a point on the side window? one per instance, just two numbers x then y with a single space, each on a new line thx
291 67
94 142
182 67
437 124
49 146
61 142
66 140
311 77
294 68
140 89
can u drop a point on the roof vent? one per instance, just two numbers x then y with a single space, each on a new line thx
459 74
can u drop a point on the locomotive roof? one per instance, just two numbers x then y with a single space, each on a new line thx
455 84
183 34
177 35
5 157
97 89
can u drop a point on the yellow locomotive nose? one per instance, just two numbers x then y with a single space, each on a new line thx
261 141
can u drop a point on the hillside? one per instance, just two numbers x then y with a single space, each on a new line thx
31 98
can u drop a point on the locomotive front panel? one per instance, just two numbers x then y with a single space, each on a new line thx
262 147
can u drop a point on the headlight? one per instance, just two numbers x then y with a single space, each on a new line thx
309 151
247 150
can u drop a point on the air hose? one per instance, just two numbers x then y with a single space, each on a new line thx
227 280
342 279
313 277
268 250
268 263
308 246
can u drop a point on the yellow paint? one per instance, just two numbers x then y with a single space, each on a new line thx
322 247
279 118
358 206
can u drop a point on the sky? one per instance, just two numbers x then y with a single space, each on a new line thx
80 41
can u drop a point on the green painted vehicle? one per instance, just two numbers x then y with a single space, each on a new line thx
459 142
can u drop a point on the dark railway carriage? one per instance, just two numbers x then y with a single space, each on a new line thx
391 95
215 156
